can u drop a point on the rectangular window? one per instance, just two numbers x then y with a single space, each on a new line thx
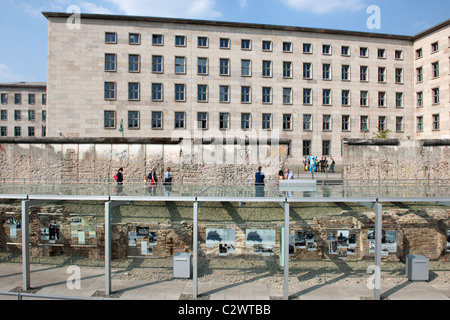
110 119
345 97
420 123
287 121
134 38
202 120
245 121
326 147
363 100
180 65
17 115
435 69
224 119
287 95
179 120
157 120
345 51
306 147
420 99
326 97
381 74
345 123
4 97
363 52
326 49
419 73
224 43
44 99
307 122
134 63
157 92
3 131
4 115
287 46
202 93
267 95
31 115
110 62
180 41
17 98
307 48
17 132
381 53
224 67
307 71
202 42
419 53
110 90
435 92
326 122
363 74
364 124
267 68
266 121
398 75
31 98
157 64
245 94
399 99
382 99
133 91
202 65
246 68
44 115
224 94
180 91
287 69
157 40
326 71
436 122
434 47
382 123
133 119
399 124
110 37
398 54
345 72
267 45
307 96
246 44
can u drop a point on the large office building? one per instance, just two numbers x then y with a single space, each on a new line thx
128 76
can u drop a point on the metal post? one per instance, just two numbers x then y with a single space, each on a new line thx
378 235
108 286
26 244
286 251
195 253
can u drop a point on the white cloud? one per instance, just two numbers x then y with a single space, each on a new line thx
243 3
324 6
6 75
169 8
89 7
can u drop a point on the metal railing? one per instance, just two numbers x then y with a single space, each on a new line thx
21 295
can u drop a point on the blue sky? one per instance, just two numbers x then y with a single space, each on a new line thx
23 29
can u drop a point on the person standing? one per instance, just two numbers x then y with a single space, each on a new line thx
152 177
168 177
259 177
120 176
333 163
305 164
280 176
289 174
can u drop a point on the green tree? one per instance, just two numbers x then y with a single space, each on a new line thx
382 134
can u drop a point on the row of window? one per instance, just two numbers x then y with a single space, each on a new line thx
246 121
434 72
134 65
247 44
18 98
434 49
134 94
31 131
18 115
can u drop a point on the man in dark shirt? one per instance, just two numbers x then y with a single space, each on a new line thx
259 177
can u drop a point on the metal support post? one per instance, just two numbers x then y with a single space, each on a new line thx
26 244
286 251
378 235
195 252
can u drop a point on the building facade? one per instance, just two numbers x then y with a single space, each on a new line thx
23 109
120 76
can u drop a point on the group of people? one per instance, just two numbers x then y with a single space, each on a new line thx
149 180
259 176
322 165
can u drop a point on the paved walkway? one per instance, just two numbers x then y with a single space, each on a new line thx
53 281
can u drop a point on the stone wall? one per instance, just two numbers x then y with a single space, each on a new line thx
392 159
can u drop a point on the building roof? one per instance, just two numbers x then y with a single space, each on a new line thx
25 85
110 17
